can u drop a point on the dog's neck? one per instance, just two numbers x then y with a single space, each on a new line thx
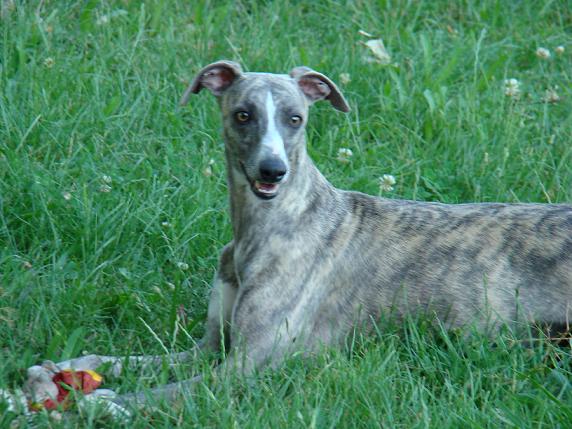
252 216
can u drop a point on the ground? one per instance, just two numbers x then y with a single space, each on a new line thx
113 202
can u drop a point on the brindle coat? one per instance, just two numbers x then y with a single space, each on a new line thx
309 262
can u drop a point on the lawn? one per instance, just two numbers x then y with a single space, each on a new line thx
113 203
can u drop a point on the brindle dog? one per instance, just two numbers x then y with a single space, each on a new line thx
309 263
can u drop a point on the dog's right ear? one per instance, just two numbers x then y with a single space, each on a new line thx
216 77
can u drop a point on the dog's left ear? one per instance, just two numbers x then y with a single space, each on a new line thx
317 86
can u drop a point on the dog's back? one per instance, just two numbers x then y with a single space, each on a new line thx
467 263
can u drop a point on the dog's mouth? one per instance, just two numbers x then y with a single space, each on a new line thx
266 191
262 190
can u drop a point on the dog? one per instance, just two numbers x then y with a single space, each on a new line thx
309 263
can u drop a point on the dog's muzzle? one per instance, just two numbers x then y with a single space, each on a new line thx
271 174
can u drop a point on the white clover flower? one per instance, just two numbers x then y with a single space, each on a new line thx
386 182
106 179
512 88
49 62
511 82
105 189
208 170
104 19
543 53
67 196
559 50
345 78
183 266
344 155
551 96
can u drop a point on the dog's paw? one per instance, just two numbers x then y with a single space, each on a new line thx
101 403
14 402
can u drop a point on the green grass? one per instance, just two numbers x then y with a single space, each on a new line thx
88 106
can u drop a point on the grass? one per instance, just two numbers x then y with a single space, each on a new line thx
109 228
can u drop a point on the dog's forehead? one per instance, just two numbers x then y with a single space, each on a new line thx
254 87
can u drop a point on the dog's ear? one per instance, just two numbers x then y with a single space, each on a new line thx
317 86
216 77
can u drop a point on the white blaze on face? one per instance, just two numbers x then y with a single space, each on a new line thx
272 138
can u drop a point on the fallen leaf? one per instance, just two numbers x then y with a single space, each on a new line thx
380 54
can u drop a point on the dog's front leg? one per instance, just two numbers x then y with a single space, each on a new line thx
241 360
117 363
222 299
258 338
217 330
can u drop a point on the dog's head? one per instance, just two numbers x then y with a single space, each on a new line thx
264 116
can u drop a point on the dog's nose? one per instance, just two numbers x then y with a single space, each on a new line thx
272 170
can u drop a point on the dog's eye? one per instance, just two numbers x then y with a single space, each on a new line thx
295 120
242 116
